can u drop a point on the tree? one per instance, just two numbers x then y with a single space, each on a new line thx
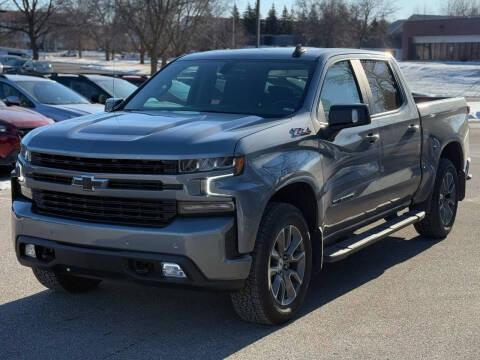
235 25
363 12
72 18
462 8
164 26
104 26
33 20
271 23
286 22
250 20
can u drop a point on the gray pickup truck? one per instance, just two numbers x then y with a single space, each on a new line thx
241 170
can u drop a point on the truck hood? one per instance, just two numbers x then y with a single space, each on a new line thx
147 134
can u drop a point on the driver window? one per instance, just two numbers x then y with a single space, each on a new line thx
339 87
7 90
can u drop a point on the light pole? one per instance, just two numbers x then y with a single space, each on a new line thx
258 23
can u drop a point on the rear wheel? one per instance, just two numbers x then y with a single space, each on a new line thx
281 268
70 283
439 220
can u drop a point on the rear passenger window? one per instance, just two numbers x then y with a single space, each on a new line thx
339 87
385 92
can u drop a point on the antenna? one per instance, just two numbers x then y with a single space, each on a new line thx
299 51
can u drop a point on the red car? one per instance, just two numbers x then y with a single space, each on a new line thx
16 122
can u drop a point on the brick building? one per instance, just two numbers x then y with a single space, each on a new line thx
442 38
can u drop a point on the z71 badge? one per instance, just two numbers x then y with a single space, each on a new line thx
300 131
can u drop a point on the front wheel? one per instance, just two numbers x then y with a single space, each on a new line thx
281 268
439 220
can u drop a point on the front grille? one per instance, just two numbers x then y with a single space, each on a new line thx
109 210
97 165
58 179
142 185
120 184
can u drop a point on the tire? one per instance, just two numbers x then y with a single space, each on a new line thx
272 273
69 283
435 224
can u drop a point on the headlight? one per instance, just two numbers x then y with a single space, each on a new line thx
26 154
212 164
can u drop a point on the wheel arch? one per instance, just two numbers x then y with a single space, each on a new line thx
453 151
301 194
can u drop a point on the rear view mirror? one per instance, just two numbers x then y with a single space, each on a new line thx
112 104
12 100
346 116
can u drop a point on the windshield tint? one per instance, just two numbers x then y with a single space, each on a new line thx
263 88
51 93
117 88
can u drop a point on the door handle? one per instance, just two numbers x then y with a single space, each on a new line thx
413 127
372 137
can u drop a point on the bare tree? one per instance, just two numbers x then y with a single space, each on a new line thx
364 12
72 18
104 25
33 20
461 8
163 25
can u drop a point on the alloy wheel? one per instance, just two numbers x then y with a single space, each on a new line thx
287 265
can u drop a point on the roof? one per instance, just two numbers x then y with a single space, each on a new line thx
16 78
282 53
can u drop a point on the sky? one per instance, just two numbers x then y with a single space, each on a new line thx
405 7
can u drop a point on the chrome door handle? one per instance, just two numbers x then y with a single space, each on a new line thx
372 137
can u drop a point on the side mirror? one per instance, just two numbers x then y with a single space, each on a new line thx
112 104
12 100
346 116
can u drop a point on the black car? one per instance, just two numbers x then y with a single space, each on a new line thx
96 88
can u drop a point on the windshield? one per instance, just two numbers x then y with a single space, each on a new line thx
51 93
117 88
263 88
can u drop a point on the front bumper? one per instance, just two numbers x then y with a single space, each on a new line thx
198 243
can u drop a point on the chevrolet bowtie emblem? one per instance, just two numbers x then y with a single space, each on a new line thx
88 183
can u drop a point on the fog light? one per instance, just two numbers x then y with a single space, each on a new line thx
173 270
203 207
30 251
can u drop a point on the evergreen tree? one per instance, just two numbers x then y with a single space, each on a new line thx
286 22
250 20
271 23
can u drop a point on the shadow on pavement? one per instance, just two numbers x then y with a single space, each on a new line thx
129 321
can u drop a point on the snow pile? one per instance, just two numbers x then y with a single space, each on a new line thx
451 79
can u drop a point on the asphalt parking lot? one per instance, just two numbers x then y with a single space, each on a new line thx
406 297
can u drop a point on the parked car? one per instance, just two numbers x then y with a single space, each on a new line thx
69 53
12 64
18 65
45 96
36 67
15 123
241 170
96 88
136 80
